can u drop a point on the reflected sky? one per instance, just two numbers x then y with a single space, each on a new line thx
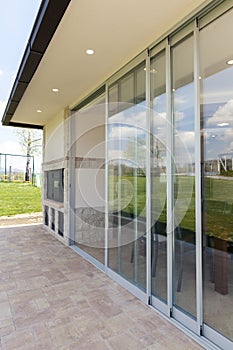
217 112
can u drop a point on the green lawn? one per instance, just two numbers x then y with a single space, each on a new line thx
19 198
218 204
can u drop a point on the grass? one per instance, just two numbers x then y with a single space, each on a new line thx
19 198
218 210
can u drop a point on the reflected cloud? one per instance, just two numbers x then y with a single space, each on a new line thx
224 114
119 131
132 116
179 116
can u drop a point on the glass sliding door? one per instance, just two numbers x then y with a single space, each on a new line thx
127 177
216 78
89 196
158 177
184 245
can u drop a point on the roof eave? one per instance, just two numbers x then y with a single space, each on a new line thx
48 18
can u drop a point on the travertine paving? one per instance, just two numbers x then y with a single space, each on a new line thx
50 298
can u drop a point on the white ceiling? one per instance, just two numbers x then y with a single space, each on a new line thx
116 30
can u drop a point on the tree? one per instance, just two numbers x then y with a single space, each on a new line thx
31 142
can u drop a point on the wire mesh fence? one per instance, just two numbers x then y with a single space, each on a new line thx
17 168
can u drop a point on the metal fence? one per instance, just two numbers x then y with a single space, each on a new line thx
17 167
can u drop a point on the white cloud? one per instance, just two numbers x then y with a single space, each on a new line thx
187 138
125 132
185 147
1 72
179 100
115 154
224 114
135 115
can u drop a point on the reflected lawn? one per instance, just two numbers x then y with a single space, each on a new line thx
218 204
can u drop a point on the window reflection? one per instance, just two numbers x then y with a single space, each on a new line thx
158 177
217 171
183 177
127 177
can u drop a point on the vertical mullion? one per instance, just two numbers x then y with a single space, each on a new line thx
135 185
170 245
148 181
119 204
119 231
135 217
106 181
72 177
199 295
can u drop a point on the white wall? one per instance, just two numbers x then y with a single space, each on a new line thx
90 146
89 188
54 138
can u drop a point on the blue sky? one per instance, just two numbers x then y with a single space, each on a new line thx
16 21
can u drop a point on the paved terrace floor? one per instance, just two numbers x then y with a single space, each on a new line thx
51 298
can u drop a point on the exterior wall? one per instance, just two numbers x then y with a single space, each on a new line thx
89 163
89 147
56 139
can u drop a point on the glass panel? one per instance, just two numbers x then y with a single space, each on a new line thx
184 278
127 89
113 99
89 211
158 177
52 219
126 178
46 215
60 223
217 181
55 185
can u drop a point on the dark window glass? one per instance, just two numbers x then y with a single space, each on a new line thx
60 223
46 215
55 185
53 219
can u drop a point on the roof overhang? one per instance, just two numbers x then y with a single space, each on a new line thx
46 23
55 55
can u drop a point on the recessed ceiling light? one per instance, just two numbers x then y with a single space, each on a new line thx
55 90
39 111
152 70
173 90
90 52
230 62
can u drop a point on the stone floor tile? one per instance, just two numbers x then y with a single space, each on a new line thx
23 322
105 307
42 303
64 335
6 326
26 296
124 341
17 340
3 297
23 308
5 310
52 299
90 343
42 337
